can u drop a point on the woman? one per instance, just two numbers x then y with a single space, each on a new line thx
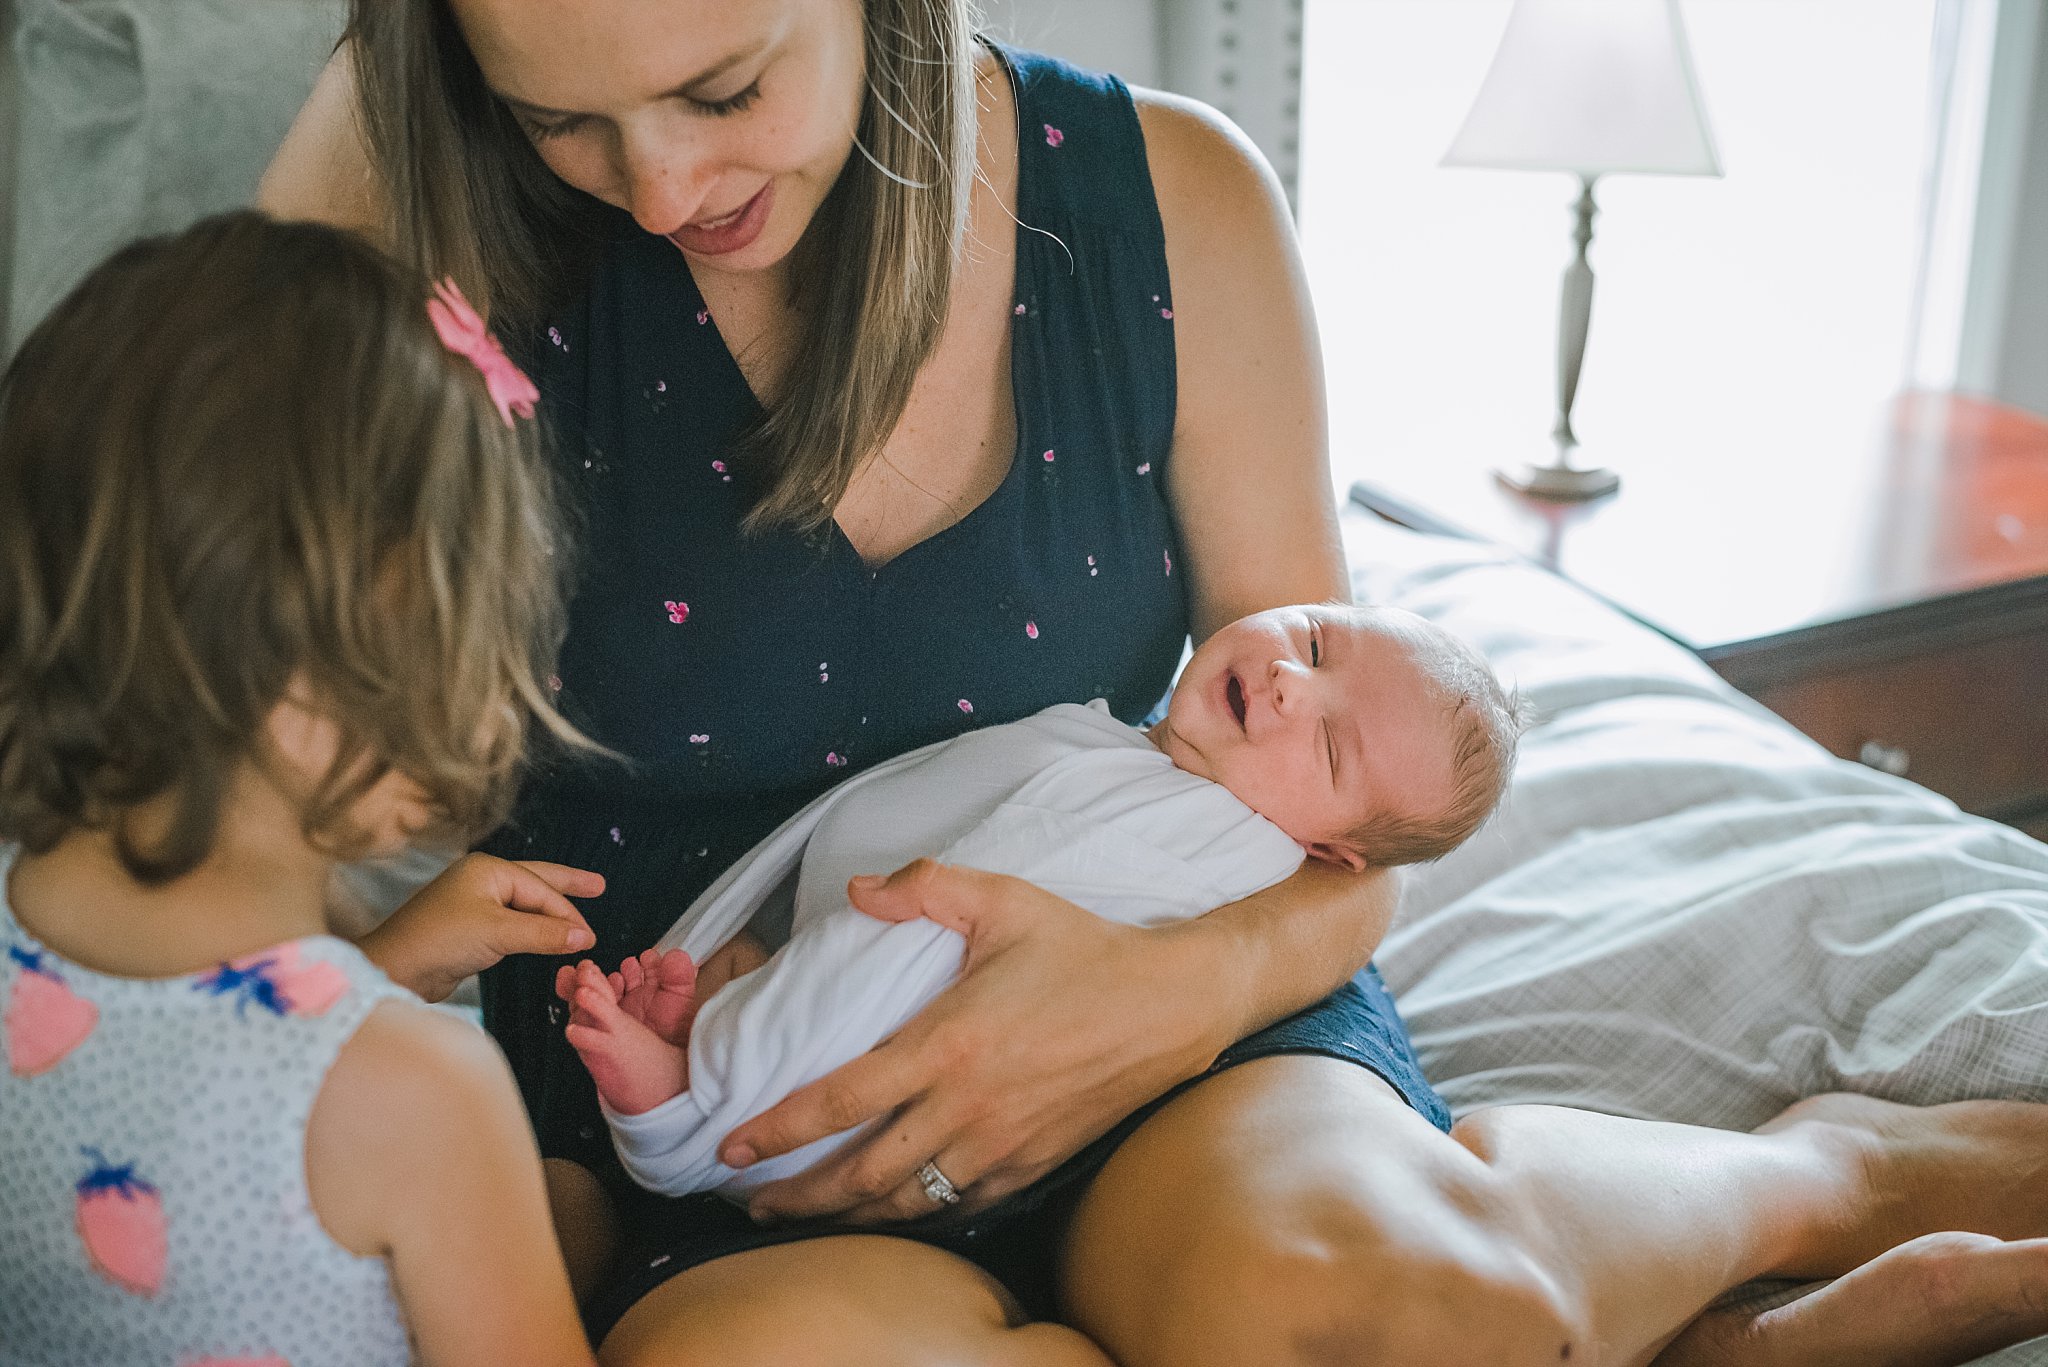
1038 395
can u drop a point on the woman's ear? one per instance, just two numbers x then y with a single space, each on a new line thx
1342 856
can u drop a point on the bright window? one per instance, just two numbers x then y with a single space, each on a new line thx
1783 292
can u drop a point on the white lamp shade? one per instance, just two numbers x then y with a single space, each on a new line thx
1591 86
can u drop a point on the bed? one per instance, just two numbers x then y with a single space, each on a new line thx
1685 910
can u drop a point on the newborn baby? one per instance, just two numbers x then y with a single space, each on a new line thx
1352 735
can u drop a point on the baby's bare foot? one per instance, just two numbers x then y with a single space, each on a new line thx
1939 1300
661 992
635 1069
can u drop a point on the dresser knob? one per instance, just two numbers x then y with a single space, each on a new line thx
1886 759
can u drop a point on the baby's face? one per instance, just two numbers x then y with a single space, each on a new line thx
1315 718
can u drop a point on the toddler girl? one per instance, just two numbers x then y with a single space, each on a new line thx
276 585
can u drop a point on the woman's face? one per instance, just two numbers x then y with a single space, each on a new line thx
719 124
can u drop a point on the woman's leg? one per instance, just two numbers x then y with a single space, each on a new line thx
847 1301
1294 1210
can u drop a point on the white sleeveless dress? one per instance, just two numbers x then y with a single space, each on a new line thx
153 1201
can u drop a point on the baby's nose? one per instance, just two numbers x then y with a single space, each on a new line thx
1286 678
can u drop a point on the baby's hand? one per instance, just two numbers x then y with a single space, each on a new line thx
477 912
740 955
635 1068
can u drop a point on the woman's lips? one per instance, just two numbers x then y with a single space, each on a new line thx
730 233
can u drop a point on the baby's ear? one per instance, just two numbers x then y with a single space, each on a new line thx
1342 856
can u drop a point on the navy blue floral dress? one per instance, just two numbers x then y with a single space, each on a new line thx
743 675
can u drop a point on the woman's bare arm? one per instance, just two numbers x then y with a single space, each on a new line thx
323 170
1250 485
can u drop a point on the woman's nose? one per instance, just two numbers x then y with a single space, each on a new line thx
666 183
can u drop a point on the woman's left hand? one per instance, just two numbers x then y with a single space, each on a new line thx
1060 1025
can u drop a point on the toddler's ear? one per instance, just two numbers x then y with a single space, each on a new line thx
1342 856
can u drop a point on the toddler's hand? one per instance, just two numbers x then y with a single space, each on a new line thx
477 912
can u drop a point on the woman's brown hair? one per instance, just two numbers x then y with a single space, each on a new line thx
238 461
469 197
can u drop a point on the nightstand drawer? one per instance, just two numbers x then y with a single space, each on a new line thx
1969 721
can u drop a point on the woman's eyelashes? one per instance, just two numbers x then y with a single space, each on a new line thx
542 130
1315 648
733 104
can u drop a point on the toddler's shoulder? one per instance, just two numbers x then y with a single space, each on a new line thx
413 1083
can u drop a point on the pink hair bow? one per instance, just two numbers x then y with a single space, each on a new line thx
464 333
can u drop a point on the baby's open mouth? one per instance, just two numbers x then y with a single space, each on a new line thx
1234 692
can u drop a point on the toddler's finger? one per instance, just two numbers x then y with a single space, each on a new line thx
519 888
519 933
564 879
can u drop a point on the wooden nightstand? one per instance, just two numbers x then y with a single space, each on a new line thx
1896 611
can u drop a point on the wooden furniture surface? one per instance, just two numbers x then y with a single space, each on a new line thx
1888 595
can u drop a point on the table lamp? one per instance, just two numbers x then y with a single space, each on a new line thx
1594 87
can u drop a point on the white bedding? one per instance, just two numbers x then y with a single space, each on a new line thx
1687 911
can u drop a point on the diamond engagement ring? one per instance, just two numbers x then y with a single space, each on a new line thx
937 1186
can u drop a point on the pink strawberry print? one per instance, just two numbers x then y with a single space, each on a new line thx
967 707
45 1019
1048 457
282 981
1019 310
121 1224
678 613
1053 136
703 317
1031 630
834 760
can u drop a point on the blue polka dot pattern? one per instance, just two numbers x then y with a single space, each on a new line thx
154 1207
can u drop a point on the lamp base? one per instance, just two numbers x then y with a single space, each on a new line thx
1559 483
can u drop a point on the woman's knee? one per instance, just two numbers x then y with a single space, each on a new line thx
1346 1290
854 1301
1224 1234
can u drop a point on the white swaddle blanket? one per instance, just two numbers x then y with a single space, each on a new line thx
1070 799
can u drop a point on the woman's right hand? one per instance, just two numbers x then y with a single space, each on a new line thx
477 912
